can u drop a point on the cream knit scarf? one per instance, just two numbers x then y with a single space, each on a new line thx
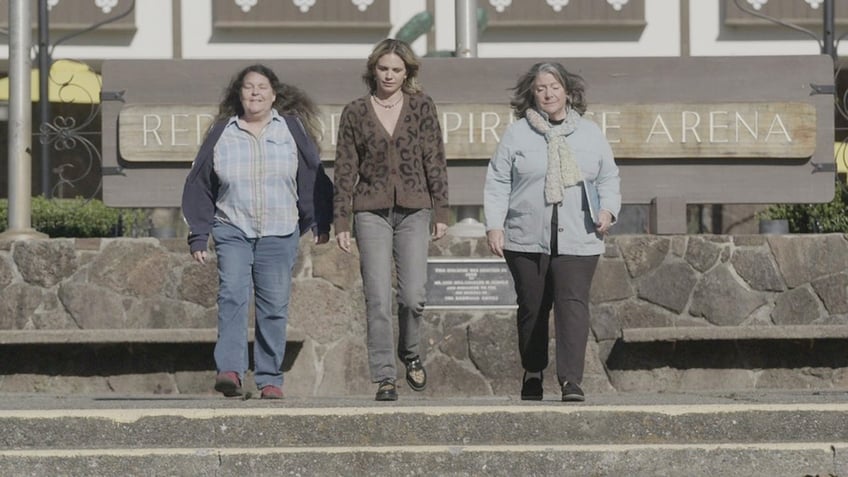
563 170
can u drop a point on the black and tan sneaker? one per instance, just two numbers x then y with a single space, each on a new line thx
386 391
571 392
416 375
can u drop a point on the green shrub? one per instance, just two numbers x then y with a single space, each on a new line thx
829 217
135 222
79 218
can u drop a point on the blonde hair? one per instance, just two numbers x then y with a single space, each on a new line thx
405 53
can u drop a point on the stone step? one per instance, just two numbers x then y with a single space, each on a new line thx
795 434
784 459
541 424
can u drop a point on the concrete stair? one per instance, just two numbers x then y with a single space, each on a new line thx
768 434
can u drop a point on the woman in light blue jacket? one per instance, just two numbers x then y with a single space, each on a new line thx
551 194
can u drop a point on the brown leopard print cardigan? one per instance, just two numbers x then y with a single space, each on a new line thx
375 171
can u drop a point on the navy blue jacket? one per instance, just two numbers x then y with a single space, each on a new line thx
314 188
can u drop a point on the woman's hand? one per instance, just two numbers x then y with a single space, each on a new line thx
439 230
199 256
604 222
496 241
343 241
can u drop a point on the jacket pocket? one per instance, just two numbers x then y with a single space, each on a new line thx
523 226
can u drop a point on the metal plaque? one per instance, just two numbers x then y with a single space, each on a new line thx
469 283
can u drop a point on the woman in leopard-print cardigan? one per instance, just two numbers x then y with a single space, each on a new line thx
390 174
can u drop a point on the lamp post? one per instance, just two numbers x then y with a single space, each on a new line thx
20 124
467 223
466 28
828 27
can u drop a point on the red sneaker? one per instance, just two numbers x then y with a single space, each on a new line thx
228 384
271 392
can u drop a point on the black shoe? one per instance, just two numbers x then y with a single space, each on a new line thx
387 391
531 388
572 393
416 375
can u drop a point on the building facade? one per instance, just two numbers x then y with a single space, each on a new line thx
262 29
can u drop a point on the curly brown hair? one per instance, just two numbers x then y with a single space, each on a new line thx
289 100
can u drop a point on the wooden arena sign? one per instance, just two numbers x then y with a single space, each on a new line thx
173 133
694 130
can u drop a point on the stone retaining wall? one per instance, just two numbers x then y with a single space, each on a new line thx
642 281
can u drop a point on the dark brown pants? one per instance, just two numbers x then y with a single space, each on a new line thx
562 282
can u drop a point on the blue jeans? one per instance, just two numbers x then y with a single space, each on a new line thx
381 235
262 266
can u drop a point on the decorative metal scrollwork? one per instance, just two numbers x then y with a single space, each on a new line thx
74 133
65 135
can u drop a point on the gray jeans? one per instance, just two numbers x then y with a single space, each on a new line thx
381 236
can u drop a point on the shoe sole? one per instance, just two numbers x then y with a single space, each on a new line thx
228 388
415 386
573 398
531 398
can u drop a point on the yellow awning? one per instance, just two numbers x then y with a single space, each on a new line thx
840 153
69 82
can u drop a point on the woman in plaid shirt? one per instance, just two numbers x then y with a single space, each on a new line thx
257 184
